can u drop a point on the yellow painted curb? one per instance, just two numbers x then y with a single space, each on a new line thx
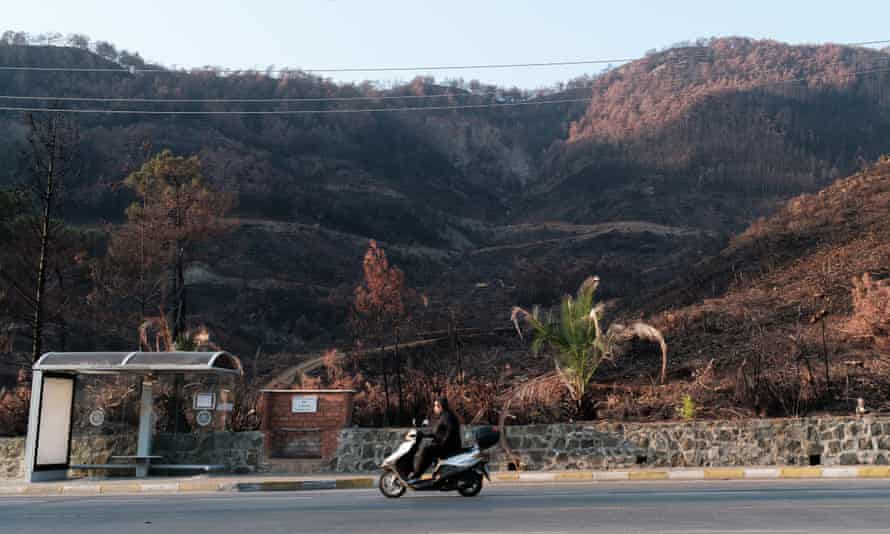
168 487
647 475
37 489
506 477
724 474
355 483
81 490
199 485
574 475
873 472
800 472
113 489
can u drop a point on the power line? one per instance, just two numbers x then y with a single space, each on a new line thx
540 102
331 70
294 111
286 100
867 43
282 100
468 67
135 70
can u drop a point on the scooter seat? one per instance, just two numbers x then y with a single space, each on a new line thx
463 450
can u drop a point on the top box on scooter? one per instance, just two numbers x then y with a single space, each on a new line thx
487 437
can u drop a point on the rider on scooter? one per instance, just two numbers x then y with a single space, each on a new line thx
446 439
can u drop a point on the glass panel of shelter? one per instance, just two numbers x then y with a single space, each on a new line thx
190 412
105 418
193 410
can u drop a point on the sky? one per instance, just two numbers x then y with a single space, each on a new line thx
400 33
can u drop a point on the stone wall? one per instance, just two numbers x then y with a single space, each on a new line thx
12 457
239 452
603 445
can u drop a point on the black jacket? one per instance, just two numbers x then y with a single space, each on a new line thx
447 433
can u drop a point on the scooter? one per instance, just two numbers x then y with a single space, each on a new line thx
462 472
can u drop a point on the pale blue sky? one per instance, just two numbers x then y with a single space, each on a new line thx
365 33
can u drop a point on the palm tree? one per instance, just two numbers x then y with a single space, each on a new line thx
577 337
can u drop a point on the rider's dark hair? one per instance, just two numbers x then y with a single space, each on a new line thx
443 402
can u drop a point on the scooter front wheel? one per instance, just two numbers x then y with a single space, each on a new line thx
391 486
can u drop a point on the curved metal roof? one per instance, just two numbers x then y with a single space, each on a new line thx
139 362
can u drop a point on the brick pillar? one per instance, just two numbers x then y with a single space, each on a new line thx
283 428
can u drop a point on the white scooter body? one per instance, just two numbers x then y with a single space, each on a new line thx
403 449
462 472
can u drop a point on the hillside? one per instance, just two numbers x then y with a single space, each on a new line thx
483 208
717 135
773 317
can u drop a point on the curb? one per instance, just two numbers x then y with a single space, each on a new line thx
306 485
185 486
716 473
501 477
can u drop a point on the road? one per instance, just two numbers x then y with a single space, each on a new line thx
781 507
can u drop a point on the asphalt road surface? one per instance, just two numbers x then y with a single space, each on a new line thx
779 507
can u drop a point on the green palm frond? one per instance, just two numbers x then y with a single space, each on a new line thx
577 337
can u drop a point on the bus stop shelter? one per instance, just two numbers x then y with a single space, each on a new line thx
55 375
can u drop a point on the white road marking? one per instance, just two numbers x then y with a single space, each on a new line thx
501 532
814 505
723 531
166 498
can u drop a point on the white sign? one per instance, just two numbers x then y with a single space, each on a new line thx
304 404
205 401
204 418
97 417
55 421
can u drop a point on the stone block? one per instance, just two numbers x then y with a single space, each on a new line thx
849 458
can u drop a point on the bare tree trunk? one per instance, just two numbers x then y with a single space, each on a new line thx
37 320
62 320
383 366
45 236
399 389
179 318
825 358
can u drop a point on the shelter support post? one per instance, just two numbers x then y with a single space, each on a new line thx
33 418
143 446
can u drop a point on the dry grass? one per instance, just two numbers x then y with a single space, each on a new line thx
777 313
14 406
871 312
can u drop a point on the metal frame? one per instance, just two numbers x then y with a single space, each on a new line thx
126 365
55 467
148 370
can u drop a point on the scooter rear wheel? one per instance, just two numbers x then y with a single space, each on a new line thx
391 486
471 486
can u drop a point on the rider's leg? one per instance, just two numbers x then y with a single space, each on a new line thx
425 458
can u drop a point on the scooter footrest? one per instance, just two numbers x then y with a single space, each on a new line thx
424 484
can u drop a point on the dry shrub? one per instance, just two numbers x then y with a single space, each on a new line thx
779 376
369 401
245 410
14 406
871 312
473 399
